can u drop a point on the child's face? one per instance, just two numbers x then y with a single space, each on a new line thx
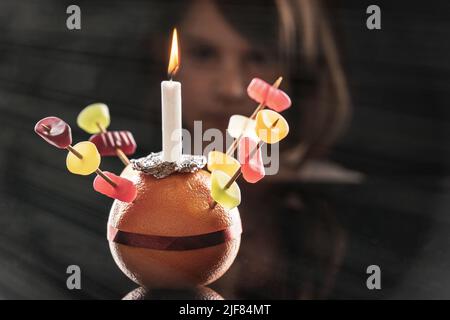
217 64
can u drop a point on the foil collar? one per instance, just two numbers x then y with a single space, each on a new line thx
154 164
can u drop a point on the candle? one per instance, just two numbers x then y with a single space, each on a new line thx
171 108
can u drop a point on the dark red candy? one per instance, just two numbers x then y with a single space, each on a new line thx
55 131
109 141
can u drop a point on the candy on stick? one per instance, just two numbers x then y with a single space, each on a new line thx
228 196
220 161
252 165
276 138
55 131
109 142
89 161
83 158
274 98
266 131
93 116
123 191
279 135
241 125
261 106
95 119
269 126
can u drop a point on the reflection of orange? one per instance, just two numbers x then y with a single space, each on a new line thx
177 205
195 293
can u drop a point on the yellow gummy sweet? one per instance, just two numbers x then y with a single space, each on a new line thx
89 163
265 129
93 114
220 161
228 198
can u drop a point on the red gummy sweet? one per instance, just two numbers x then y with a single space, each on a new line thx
124 191
274 98
55 131
109 141
252 166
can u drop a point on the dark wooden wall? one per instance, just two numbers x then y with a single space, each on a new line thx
399 136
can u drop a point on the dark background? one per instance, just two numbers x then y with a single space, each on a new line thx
398 218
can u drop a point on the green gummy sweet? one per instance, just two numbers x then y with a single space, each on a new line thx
93 116
229 198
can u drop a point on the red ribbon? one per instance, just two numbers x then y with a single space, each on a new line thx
173 243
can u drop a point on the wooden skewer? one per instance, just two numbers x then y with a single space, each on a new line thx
238 172
261 106
235 143
120 154
213 205
236 175
46 127
98 171
75 152
80 156
105 177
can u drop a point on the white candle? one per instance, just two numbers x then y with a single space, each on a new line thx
171 120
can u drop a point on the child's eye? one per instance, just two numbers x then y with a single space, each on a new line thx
256 57
203 53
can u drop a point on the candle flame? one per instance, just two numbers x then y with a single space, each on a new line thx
174 61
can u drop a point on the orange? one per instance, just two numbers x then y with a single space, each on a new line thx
175 206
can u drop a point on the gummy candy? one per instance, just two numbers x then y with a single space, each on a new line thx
249 155
55 131
93 116
238 123
108 142
274 98
265 128
220 161
124 190
229 198
89 163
